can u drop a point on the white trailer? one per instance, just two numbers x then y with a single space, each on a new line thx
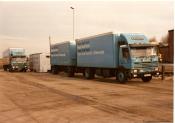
39 62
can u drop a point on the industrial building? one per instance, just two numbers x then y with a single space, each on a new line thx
1 63
39 62
167 51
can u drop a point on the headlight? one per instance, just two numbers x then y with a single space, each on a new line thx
156 69
141 71
135 71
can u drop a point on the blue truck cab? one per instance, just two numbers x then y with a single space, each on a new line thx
137 57
125 55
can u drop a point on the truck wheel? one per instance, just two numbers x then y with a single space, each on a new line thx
24 70
5 68
106 73
54 70
84 74
89 74
146 79
70 72
10 70
121 76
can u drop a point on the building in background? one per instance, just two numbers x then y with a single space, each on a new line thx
1 63
39 62
167 50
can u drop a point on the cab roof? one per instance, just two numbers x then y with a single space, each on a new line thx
135 38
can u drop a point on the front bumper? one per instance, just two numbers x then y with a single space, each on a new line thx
19 68
139 74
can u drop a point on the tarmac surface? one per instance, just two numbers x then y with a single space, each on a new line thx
46 98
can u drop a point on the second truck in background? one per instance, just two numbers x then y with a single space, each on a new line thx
14 59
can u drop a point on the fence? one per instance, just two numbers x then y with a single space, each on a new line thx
166 69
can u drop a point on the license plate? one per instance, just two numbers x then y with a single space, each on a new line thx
147 75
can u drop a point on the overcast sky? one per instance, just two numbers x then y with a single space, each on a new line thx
29 24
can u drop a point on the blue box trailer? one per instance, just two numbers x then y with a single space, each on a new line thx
63 55
98 51
125 55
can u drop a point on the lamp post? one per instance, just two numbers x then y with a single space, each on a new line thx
73 21
50 49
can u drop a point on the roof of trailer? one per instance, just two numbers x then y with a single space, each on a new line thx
64 42
46 53
101 34
133 38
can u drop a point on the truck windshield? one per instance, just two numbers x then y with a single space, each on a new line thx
18 60
143 51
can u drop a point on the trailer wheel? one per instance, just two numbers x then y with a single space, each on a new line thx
89 74
24 70
5 68
83 74
146 79
70 71
10 70
54 70
106 73
122 77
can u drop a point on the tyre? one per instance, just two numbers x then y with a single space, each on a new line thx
10 69
121 77
89 74
83 74
106 73
70 71
5 68
54 70
24 70
146 79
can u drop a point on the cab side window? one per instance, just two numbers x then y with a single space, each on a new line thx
125 53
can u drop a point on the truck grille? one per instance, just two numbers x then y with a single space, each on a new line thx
145 65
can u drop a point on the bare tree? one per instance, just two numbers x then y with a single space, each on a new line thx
164 39
152 40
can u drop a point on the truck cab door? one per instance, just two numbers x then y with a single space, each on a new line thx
124 57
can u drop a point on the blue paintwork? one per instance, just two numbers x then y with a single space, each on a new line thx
132 38
97 52
109 44
123 63
63 54
101 51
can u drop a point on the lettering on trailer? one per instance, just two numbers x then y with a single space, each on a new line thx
54 53
61 54
54 50
99 52
83 48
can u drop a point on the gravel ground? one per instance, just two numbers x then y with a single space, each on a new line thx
45 98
